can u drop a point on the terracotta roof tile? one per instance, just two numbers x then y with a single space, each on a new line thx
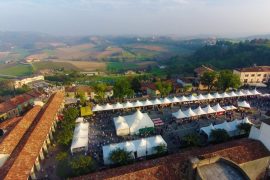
175 166
255 69
10 142
25 160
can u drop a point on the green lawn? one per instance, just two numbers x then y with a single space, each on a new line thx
120 66
17 70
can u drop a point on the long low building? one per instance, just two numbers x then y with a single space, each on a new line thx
27 161
14 137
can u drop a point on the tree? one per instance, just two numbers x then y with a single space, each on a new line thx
120 156
226 79
136 85
164 88
81 165
161 149
122 89
208 79
219 135
61 156
244 127
81 95
191 139
100 90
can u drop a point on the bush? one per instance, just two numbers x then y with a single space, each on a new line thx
244 127
81 165
219 135
120 156
191 139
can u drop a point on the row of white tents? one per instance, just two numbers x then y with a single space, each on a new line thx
167 100
230 127
131 124
80 137
201 111
138 148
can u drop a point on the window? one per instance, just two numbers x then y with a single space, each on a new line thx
258 75
264 80
252 75
264 75
246 75
245 80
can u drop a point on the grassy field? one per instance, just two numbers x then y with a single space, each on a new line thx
17 70
53 65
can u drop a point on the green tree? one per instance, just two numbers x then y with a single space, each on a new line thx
120 156
226 79
82 165
164 88
191 139
219 135
100 90
244 127
81 95
122 89
161 149
208 79
135 84
61 156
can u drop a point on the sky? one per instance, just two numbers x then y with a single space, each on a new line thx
137 17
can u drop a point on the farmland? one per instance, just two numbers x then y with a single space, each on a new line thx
16 70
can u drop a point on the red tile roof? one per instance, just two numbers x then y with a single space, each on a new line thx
9 122
175 166
201 70
25 160
13 138
255 69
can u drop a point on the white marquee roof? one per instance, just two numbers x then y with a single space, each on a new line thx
243 104
179 114
217 108
199 111
190 113
209 110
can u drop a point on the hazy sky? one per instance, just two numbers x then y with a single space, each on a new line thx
142 17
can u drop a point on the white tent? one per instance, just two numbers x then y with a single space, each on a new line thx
200 97
79 120
248 93
207 130
179 114
224 126
147 103
183 99
133 123
240 93
141 147
243 104
80 137
108 107
138 104
217 95
97 108
175 100
208 96
232 94
192 98
118 106
121 126
208 109
199 111
217 108
246 120
153 142
128 105
255 92
225 95
229 108
165 101
156 102
189 113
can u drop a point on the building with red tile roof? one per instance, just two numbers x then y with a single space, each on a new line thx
28 158
246 153
201 70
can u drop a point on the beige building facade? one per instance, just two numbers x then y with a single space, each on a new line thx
254 75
